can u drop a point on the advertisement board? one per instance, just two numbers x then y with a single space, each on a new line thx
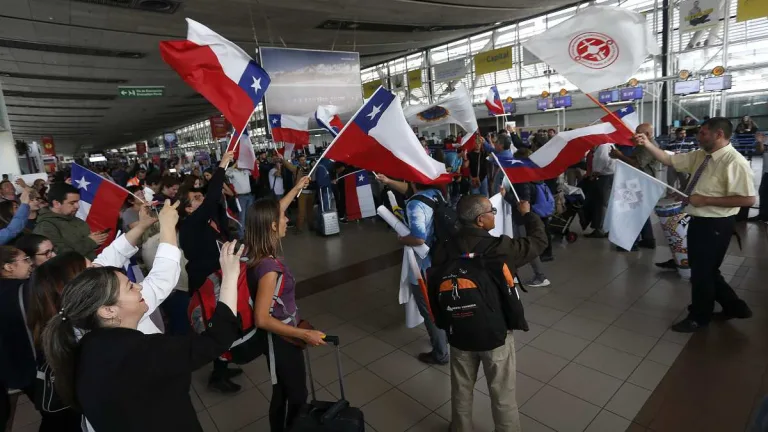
219 127
452 70
141 148
414 79
170 140
700 14
304 79
493 61
49 147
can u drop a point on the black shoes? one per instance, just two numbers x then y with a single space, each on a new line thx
597 234
741 312
634 248
430 359
547 258
667 265
687 326
223 385
232 372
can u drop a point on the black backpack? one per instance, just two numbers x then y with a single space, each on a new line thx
474 299
446 219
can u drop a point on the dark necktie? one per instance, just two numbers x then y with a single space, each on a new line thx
696 176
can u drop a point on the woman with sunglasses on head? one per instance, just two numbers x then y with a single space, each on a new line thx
264 228
17 310
153 369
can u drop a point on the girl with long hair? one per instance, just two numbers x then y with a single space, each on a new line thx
266 224
153 370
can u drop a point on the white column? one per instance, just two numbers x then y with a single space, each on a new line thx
9 162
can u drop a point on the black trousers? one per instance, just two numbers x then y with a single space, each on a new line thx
708 240
764 197
68 420
290 392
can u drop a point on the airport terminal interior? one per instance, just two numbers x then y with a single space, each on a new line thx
83 83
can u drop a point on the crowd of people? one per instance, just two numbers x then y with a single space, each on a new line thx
71 315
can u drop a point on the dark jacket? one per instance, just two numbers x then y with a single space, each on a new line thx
515 252
127 381
17 361
197 239
67 233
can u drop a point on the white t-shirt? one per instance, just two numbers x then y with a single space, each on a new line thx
240 179
276 182
602 162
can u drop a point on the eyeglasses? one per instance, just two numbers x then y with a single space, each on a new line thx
46 254
492 210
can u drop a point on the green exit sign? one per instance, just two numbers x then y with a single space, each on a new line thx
141 92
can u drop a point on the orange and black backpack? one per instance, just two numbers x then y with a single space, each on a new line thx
474 299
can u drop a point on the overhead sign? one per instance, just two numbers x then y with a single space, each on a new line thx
141 148
700 14
493 61
140 92
562 101
631 93
414 79
452 70
751 9
608 96
370 87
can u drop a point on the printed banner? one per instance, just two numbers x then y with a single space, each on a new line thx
414 79
49 147
141 148
700 14
304 79
370 87
452 70
219 127
751 9
493 61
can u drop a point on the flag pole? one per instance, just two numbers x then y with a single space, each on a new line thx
347 175
506 177
653 178
610 113
237 141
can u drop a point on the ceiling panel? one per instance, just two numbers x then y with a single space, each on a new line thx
297 23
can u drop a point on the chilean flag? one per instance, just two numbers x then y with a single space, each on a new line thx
493 102
359 196
290 129
379 139
219 70
327 117
245 156
560 152
629 117
100 200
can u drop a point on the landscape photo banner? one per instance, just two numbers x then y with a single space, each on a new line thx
304 79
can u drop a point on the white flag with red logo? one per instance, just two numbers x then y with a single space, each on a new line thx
599 47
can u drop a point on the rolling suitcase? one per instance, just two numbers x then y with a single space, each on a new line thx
327 219
325 415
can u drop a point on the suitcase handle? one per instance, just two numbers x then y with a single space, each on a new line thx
332 339
334 410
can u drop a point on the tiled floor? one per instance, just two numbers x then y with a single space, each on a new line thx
597 348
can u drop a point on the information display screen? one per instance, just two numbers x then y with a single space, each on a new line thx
687 87
717 83
562 101
632 93
543 104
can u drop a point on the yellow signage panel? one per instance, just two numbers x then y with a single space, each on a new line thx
414 79
370 87
751 9
493 61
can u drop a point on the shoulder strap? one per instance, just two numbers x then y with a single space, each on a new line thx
426 200
23 310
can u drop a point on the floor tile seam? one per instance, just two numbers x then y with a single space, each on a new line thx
429 411
599 408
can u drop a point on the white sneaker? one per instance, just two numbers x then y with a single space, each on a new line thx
538 283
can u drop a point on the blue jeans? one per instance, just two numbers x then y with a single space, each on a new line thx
175 309
483 189
436 336
245 200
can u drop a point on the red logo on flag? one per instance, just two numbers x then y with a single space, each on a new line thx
593 50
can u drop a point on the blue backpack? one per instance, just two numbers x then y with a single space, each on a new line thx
544 203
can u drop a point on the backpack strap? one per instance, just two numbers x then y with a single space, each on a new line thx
426 200
279 287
